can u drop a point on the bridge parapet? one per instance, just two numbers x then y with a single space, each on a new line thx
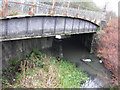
40 8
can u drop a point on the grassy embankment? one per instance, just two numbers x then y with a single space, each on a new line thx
38 70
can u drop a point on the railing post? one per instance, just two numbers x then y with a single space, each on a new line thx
78 11
6 2
95 21
32 10
67 9
84 17
34 7
4 9
2 12
53 8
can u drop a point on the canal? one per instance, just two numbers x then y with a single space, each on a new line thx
75 52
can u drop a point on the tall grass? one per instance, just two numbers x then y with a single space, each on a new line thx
38 70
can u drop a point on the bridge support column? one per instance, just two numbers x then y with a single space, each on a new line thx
88 41
60 49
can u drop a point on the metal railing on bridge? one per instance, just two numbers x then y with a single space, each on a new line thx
13 7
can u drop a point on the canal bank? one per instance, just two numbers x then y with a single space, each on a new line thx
77 53
72 49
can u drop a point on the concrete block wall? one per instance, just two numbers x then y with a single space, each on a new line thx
18 48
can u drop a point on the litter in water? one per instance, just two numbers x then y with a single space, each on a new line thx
86 60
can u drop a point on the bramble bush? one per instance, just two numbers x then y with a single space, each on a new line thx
107 46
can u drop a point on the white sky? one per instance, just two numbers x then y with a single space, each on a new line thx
112 4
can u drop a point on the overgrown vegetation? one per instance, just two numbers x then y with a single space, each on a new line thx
107 47
38 70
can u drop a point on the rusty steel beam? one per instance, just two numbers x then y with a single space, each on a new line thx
20 3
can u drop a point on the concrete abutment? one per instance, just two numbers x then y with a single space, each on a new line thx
17 49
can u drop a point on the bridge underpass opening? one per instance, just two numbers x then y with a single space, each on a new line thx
16 49
75 48
76 43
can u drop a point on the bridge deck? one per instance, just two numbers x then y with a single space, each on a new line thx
42 26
